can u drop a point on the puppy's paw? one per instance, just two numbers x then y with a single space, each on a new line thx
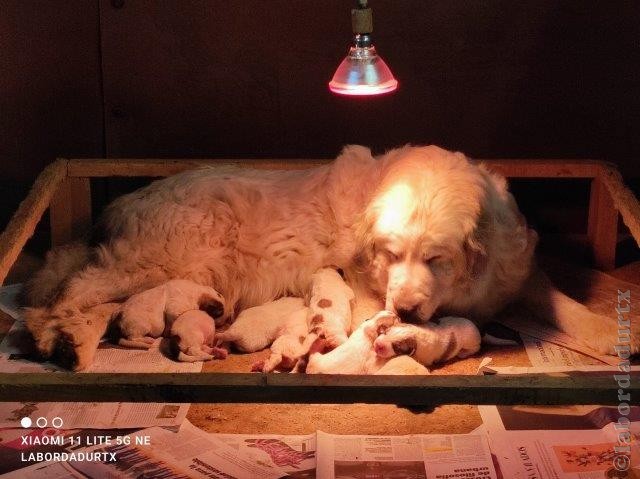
258 366
382 321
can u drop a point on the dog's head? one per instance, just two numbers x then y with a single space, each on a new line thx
422 234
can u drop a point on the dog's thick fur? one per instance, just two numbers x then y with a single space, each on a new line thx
419 230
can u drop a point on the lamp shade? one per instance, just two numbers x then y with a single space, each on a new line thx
363 72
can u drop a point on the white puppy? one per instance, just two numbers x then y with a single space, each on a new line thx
148 315
293 343
357 355
428 343
193 338
256 328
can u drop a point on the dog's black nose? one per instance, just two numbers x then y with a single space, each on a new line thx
408 315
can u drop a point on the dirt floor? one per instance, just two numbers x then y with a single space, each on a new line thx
595 289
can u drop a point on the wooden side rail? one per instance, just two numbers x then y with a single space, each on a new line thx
535 389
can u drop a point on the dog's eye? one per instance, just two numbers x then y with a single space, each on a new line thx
431 260
439 265
393 256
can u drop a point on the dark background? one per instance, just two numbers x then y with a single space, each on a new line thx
248 78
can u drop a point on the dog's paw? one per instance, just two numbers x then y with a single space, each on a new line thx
605 336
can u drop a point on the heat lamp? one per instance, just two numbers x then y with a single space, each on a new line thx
363 72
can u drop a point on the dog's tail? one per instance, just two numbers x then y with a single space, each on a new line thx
59 264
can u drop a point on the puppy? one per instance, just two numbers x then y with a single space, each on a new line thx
330 306
357 354
428 343
256 328
192 338
293 343
148 315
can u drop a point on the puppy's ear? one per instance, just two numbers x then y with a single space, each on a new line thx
212 307
406 346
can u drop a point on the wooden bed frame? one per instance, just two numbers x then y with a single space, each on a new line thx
64 188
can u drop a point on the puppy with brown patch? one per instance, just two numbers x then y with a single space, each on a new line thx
330 306
193 338
148 315
428 343
358 356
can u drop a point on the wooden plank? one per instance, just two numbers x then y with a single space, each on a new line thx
602 227
544 168
70 211
513 168
24 221
160 168
313 389
623 199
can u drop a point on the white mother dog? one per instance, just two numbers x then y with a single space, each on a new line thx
420 231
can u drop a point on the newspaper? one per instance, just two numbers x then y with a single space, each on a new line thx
543 353
13 446
115 415
581 442
157 452
193 453
435 456
296 455
549 334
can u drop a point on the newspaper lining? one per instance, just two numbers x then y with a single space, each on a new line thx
572 442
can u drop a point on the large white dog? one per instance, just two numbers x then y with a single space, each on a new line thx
420 231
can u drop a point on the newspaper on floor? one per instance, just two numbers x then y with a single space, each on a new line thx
537 330
9 300
157 452
434 456
193 453
109 358
296 455
15 443
87 415
543 353
581 442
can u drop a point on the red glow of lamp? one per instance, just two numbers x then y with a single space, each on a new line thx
362 72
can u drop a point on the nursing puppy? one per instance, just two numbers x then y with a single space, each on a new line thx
148 315
192 338
357 354
429 343
293 343
256 328
420 231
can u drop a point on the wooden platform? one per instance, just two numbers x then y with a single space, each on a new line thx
64 189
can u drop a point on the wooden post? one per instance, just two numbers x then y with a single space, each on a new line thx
602 228
70 211
24 221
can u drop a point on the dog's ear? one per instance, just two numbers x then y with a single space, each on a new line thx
365 240
475 249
